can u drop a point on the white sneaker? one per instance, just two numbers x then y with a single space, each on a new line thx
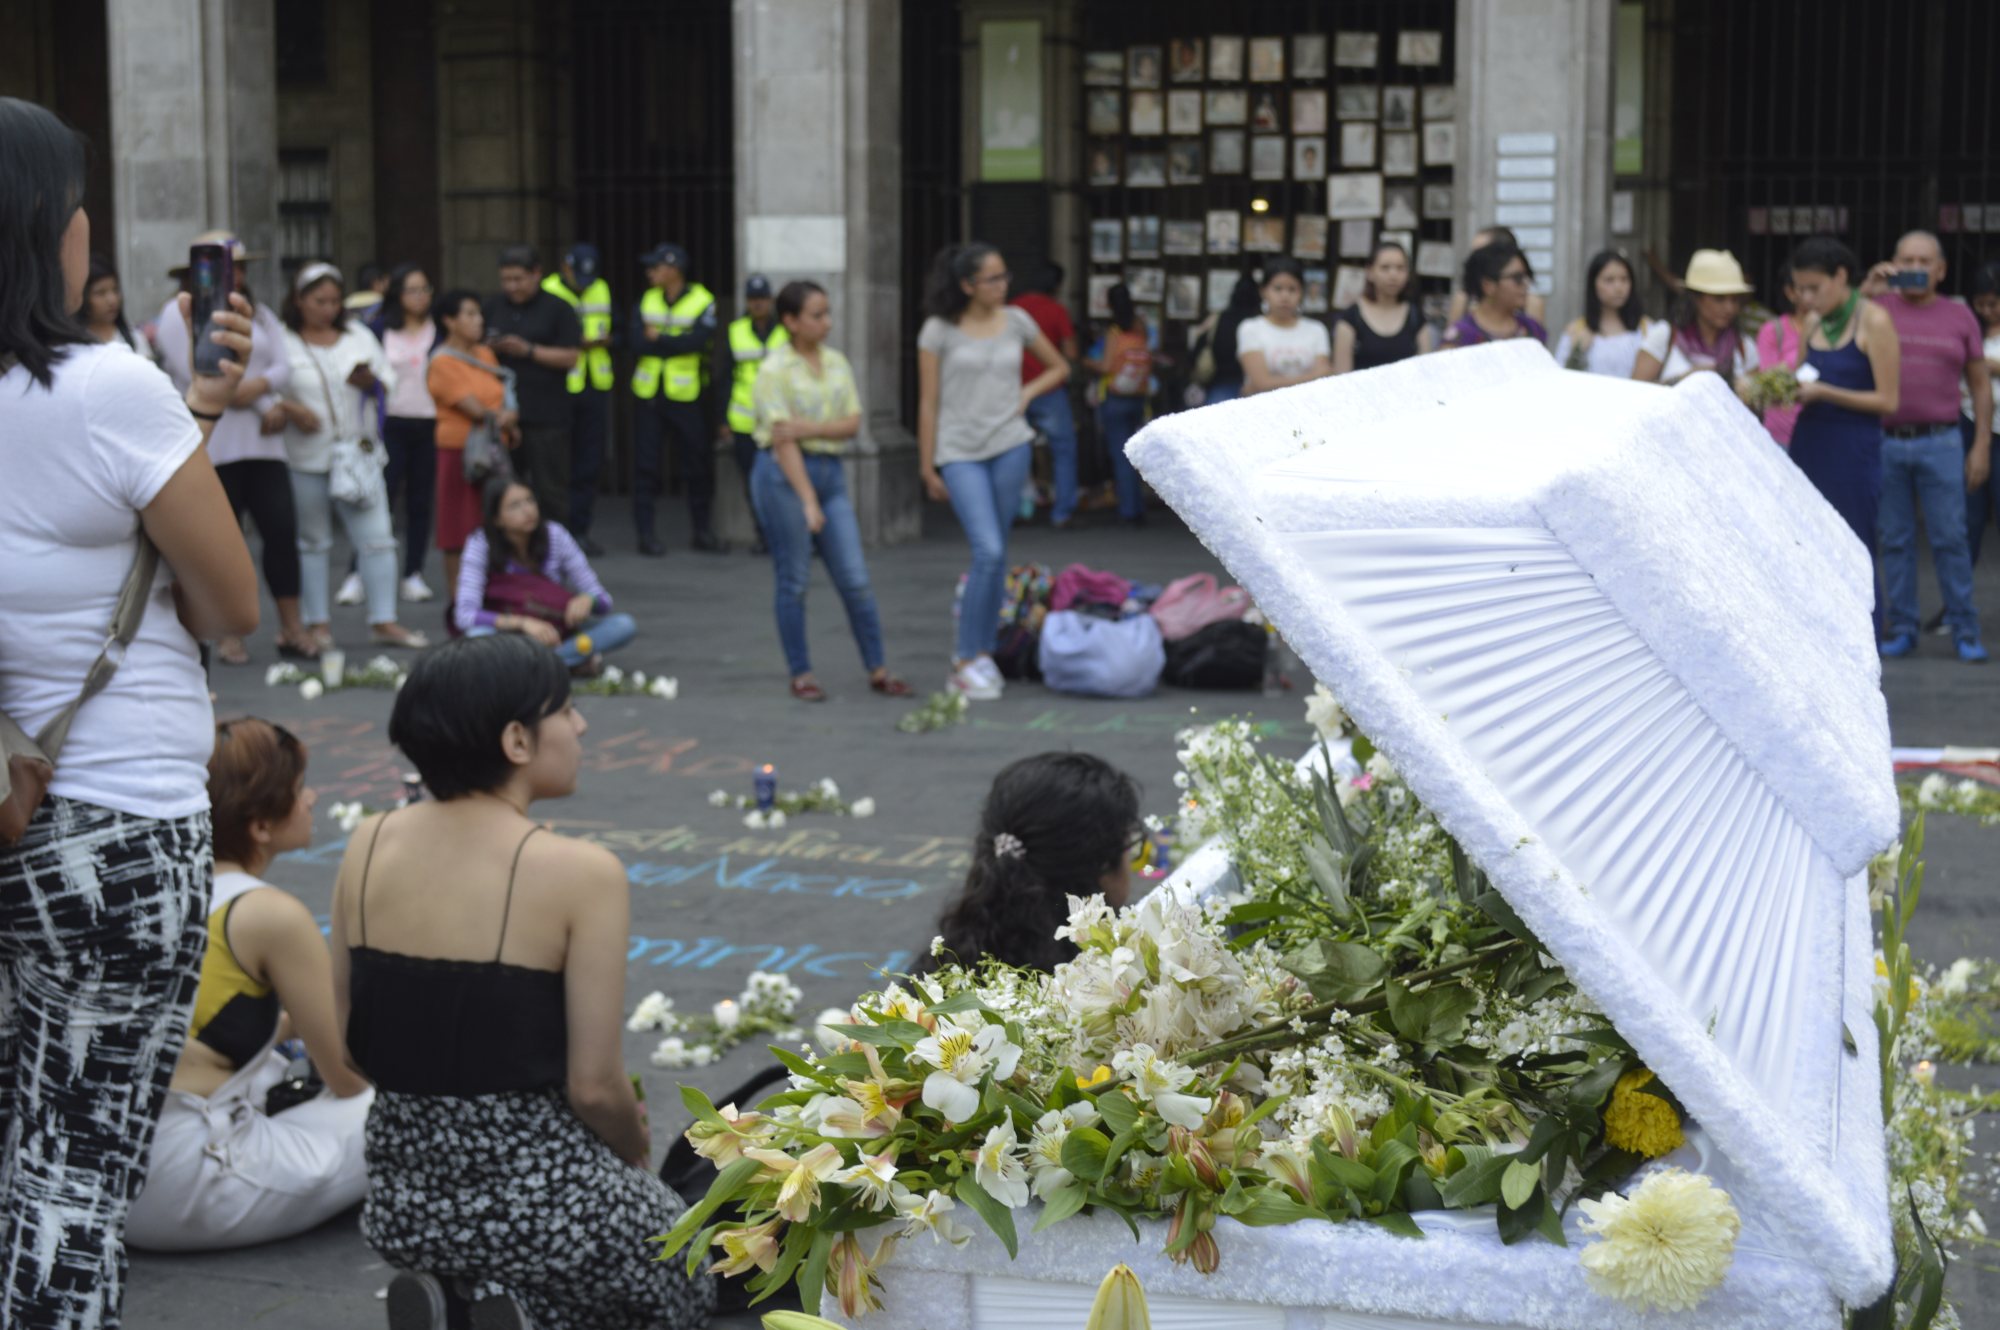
414 589
986 666
351 591
974 683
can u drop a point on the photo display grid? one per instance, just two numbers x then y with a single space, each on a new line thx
1207 153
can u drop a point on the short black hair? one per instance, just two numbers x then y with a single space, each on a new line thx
1486 263
449 304
1827 255
520 256
1283 266
1985 282
41 187
1124 314
791 301
460 698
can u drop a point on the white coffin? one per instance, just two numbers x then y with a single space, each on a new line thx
1617 642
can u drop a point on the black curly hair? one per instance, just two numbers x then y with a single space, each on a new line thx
1075 816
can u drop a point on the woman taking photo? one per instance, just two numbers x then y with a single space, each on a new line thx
409 422
523 575
334 363
479 968
469 388
1856 361
1496 283
1281 347
807 408
1606 339
1123 363
973 437
104 309
1383 326
103 893
224 1172
1705 337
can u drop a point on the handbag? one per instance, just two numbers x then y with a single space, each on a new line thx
1228 654
354 475
529 595
29 764
1093 657
1192 603
485 457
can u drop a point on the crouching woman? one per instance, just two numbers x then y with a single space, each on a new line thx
523 575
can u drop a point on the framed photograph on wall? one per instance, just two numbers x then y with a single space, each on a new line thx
1267 156
1309 55
1440 103
1399 106
1225 232
1142 236
1309 110
1356 101
1148 314
1399 207
1399 154
1225 152
1147 283
1267 59
1184 162
1227 106
1104 69
1419 48
1225 59
1184 111
1104 111
1145 170
1357 50
1149 114
1221 285
1404 238
1440 143
1184 296
1099 306
1143 69
1436 259
1264 234
1180 237
1107 240
1437 201
1354 195
1357 238
1309 236
1357 143
1349 281
1309 158
1184 60
1103 164
1264 111
1314 299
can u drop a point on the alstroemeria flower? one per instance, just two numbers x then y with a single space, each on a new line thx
875 1178
931 1213
962 1055
724 1145
881 1097
998 1168
832 1115
802 1176
1045 1143
1158 1082
746 1249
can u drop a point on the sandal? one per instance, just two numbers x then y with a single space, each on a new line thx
399 636
230 651
289 650
890 686
806 690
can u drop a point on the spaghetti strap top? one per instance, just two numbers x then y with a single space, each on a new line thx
424 1025
1372 349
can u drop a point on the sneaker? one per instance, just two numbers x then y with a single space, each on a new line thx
974 683
351 591
1971 652
416 1302
415 590
500 1312
985 665
1902 644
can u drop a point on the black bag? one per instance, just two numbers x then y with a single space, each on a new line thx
1226 654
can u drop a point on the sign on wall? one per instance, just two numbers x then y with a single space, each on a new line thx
1010 100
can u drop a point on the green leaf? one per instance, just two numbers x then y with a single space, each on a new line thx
798 1241
1547 1131
1518 1183
1928 1272
800 1067
1496 908
1065 1201
1257 912
1341 1171
1122 1142
701 1106
1119 1112
1604 1037
727 1184
997 1216
1392 1164
889 1034
1273 1205
1589 1090
1420 1193
1518 1222
812 1274
1337 971
1364 749
958 1003
1398 1223
1478 1182
1084 1152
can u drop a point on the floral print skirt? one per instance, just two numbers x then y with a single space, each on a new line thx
513 1193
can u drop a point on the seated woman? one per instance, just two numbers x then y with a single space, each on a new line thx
1054 825
523 575
224 1173
479 963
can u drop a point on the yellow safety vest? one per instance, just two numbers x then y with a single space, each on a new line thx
593 308
683 372
748 353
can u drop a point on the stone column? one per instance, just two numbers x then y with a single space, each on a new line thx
1534 84
194 138
818 195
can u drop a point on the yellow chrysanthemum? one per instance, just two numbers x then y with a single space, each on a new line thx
1643 1123
1667 1246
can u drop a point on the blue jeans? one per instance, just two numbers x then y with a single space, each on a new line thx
1051 416
782 516
607 633
1120 418
1929 471
1222 392
367 530
984 494
1981 505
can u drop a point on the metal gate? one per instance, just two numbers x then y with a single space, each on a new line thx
933 189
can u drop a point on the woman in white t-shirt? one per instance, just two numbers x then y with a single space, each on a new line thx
1706 336
1282 347
102 897
409 422
336 363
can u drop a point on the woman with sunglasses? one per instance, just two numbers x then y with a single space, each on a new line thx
1497 279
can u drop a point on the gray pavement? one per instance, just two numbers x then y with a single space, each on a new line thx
831 900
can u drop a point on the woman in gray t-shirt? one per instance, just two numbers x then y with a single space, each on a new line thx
973 433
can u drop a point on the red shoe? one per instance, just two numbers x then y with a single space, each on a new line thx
808 691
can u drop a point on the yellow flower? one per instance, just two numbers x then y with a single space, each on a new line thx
583 644
748 1248
1120 1303
1095 1079
1667 1246
1643 1123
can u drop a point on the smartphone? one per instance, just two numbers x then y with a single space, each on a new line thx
211 278
1909 279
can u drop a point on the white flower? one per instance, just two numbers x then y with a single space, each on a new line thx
384 665
756 819
962 1055
1379 767
1667 1246
347 816
311 689
664 688
1158 1082
1045 1145
875 1178
931 1213
832 1040
998 1168
1933 789
775 818
827 789
638 678
1954 981
654 1010
701 1055
672 1052
718 798
613 675
802 1176
1323 713
277 674
862 807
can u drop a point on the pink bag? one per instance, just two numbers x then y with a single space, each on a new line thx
1192 603
1078 585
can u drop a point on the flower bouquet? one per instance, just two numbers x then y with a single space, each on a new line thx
1766 388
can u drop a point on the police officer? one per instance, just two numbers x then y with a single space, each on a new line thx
672 331
580 284
751 337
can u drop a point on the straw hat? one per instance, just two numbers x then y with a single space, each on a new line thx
222 237
1715 272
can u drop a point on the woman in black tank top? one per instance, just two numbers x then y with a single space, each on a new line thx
1358 339
479 963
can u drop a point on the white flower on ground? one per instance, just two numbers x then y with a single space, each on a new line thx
1666 1246
775 818
802 1176
653 1011
718 798
1954 981
998 1167
862 807
277 674
827 789
1323 713
832 1040
931 1213
1158 1082
638 678
875 1178
1933 789
962 1055
347 816
311 689
672 1052
701 1055
664 688
1045 1143
756 820
613 675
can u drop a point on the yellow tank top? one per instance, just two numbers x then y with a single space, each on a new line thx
233 1013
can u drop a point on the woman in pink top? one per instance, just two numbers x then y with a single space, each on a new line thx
409 424
1779 342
